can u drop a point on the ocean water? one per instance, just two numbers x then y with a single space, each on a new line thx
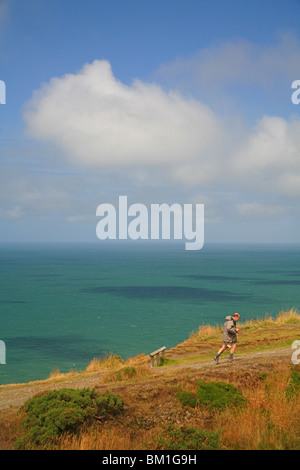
63 305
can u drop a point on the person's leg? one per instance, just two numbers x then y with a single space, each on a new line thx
232 349
216 358
221 350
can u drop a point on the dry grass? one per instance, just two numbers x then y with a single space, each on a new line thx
134 374
9 428
111 361
56 374
112 438
206 336
271 419
256 332
95 439
117 369
284 317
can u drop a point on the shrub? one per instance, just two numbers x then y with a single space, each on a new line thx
218 395
189 438
109 404
49 415
125 373
294 383
187 398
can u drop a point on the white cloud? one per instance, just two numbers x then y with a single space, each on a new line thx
236 63
13 212
256 209
100 122
269 158
151 136
80 218
25 193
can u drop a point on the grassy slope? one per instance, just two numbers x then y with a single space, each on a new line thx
263 363
255 335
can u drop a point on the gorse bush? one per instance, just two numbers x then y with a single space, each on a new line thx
212 395
109 404
187 398
218 395
189 438
49 415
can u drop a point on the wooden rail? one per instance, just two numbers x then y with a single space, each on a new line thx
156 353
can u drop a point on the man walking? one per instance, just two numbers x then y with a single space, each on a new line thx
229 337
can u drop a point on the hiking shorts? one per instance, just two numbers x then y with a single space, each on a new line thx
228 344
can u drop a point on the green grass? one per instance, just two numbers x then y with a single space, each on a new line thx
188 438
125 373
218 395
294 383
187 398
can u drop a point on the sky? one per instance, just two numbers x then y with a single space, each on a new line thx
164 101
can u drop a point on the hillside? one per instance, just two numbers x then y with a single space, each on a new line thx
261 371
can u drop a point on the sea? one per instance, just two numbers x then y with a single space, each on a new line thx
61 305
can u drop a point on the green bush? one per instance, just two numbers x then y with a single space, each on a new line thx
187 398
109 404
188 438
49 415
125 373
294 383
218 395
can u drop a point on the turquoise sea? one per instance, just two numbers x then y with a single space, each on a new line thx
63 304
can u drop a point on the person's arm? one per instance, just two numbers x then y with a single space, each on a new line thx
231 328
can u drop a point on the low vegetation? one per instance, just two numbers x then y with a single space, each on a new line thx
188 438
48 416
259 412
261 333
212 396
251 404
218 395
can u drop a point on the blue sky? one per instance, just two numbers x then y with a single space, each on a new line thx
164 101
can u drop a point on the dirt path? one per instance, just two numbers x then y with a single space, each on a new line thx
16 395
242 361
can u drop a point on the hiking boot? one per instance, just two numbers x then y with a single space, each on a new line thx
216 358
230 359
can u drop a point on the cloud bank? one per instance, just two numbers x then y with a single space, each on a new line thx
238 64
4 12
99 122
